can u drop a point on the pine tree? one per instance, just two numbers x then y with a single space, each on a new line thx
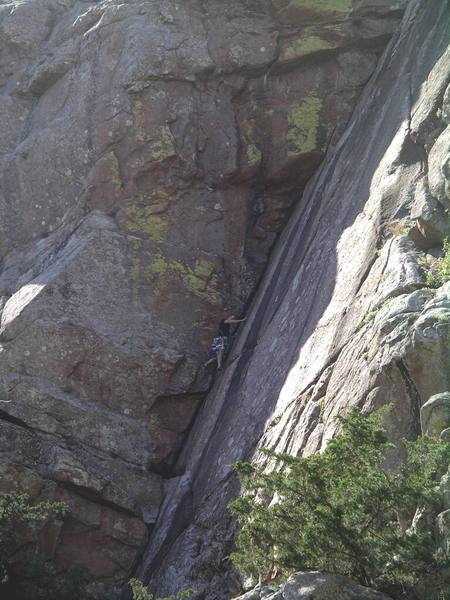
341 511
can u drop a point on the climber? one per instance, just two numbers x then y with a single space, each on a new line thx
221 341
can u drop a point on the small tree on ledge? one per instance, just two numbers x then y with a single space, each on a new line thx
140 592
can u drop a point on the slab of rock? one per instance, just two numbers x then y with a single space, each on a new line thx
439 174
446 106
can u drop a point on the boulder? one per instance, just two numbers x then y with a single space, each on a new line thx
444 487
435 415
445 435
432 220
443 525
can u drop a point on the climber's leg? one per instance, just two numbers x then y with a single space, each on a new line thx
209 361
220 359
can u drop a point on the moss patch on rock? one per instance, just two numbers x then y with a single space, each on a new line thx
112 169
148 216
164 145
201 279
303 125
336 8
162 141
143 220
139 121
253 154
308 45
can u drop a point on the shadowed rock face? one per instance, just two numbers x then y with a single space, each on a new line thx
150 154
343 315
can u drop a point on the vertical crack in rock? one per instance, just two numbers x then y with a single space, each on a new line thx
4 416
416 400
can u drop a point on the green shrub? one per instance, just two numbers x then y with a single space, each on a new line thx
397 228
439 273
341 511
371 314
140 592
368 317
42 581
16 509
39 579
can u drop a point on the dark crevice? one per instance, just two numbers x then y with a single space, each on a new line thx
330 362
164 469
233 387
366 274
364 13
167 468
175 472
413 392
181 519
4 416
92 496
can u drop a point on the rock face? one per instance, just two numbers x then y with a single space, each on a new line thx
150 154
343 315
435 415
315 586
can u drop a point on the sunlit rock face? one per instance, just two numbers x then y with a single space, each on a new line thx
150 154
343 315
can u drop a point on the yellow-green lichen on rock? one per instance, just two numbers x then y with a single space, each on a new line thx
142 219
112 168
158 266
252 153
308 45
139 122
303 125
138 162
203 268
154 424
156 201
164 146
201 279
335 8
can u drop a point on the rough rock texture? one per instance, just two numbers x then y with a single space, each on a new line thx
150 154
435 415
435 421
315 586
342 316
